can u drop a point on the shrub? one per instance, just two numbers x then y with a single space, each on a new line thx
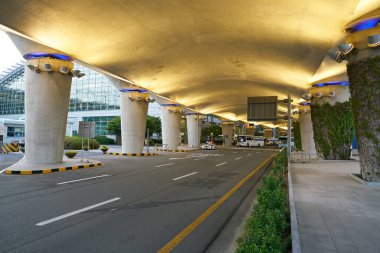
104 149
75 143
268 222
104 140
153 142
70 153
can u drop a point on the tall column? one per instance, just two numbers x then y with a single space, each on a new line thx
268 133
194 128
228 131
171 121
332 122
134 108
364 76
250 130
307 135
48 76
47 96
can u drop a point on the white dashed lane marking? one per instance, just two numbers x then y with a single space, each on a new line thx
76 212
163 165
174 179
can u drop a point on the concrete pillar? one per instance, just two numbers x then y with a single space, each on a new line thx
268 133
250 130
228 131
47 96
171 121
364 76
242 129
193 121
307 135
326 145
48 76
134 108
342 94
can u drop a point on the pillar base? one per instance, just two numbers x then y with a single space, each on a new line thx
130 154
24 168
187 149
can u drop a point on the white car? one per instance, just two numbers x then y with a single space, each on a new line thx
208 146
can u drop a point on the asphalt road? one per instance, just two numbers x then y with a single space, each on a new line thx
132 204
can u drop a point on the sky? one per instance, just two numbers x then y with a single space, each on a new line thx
8 53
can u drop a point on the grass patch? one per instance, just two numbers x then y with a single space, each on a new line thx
268 229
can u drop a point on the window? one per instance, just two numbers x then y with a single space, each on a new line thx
15 132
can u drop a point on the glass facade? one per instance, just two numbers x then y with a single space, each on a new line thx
90 93
100 124
93 92
12 91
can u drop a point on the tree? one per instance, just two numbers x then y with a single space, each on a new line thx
206 132
114 126
154 125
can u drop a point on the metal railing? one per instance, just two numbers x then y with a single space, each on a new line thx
300 157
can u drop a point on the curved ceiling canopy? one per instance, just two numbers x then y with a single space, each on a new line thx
207 55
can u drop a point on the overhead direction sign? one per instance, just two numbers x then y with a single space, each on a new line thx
262 108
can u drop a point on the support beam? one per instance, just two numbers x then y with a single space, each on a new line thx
193 121
228 131
47 94
307 134
134 108
364 76
332 125
134 102
171 120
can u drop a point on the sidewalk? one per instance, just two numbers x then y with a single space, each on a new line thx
334 212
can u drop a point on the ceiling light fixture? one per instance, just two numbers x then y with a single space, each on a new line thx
374 40
64 70
345 48
336 56
48 67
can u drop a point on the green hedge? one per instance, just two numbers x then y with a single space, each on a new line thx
75 143
104 140
268 224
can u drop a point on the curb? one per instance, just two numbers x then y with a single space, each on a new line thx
296 243
51 170
174 150
362 181
130 154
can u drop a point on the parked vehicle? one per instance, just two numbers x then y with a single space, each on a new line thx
244 140
208 146
272 141
283 142
258 141
250 141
